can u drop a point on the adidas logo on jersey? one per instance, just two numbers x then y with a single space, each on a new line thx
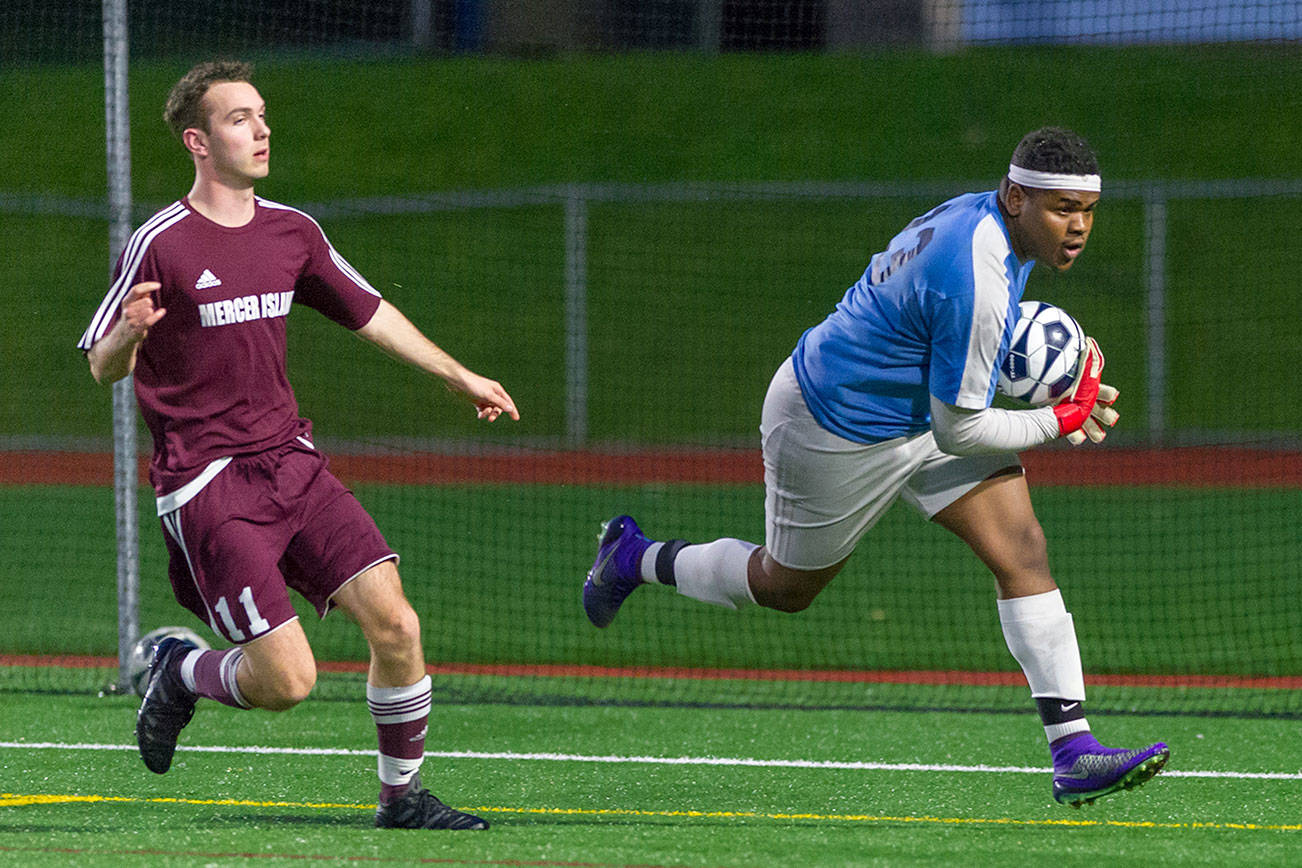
207 280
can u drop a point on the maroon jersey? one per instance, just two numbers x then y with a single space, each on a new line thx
210 377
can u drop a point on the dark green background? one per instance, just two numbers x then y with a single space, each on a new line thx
691 306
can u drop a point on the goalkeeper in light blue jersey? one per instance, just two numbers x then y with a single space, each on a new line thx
931 316
890 397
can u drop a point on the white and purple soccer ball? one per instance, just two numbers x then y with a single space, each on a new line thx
1044 354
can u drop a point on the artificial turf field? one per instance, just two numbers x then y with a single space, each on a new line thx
597 786
633 770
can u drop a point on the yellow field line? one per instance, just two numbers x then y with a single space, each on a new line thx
17 799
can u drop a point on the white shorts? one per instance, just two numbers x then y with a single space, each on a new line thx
822 492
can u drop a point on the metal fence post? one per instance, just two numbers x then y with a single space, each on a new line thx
576 316
422 29
1155 274
118 141
709 25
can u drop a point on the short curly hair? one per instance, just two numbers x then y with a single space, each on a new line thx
184 107
1057 150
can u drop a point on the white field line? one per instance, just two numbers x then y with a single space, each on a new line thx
643 760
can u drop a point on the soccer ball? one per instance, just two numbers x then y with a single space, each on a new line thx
143 651
1045 352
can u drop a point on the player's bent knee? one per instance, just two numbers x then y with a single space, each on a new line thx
289 691
787 590
282 688
1031 546
788 603
790 599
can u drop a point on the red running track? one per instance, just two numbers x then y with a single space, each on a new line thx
958 678
1198 467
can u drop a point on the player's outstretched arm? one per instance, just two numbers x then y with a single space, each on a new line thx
392 332
114 355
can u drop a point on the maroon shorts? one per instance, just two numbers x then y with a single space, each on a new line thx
266 523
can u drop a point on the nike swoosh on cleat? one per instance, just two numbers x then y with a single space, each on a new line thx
594 574
1072 776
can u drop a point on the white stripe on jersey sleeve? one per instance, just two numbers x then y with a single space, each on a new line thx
990 280
135 254
340 263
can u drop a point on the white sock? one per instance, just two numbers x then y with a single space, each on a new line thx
647 567
1042 638
1055 731
716 572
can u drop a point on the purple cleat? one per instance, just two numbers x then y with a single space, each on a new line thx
616 572
1084 770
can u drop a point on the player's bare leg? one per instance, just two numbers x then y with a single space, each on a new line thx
278 670
997 521
398 694
777 587
375 601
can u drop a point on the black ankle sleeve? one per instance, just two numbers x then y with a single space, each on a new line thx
665 561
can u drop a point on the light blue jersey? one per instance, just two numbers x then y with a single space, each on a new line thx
932 315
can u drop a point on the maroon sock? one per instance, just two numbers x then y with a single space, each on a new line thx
212 674
401 715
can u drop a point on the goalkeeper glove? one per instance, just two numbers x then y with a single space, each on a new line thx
1076 412
1102 417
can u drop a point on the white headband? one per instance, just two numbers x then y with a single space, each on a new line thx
1051 181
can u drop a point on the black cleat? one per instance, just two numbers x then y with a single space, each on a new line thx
166 708
418 809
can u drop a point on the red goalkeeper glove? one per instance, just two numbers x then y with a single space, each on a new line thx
1087 407
1102 417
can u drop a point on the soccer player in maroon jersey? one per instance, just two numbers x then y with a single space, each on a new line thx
197 312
